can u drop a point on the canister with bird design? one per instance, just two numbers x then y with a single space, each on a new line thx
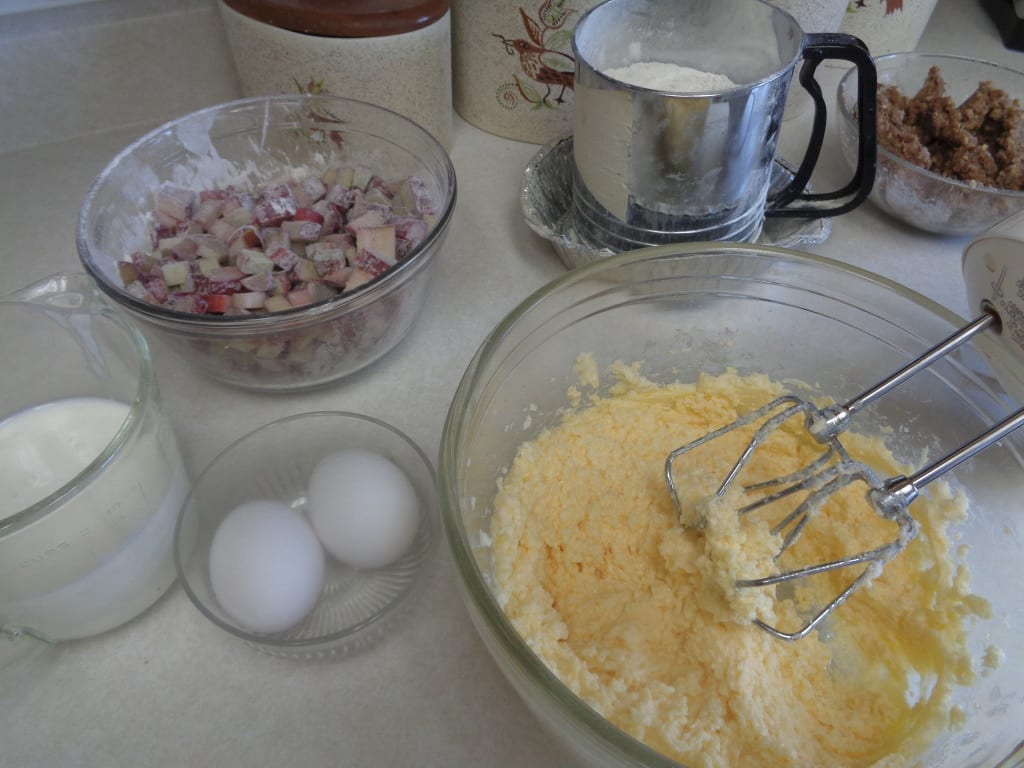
513 68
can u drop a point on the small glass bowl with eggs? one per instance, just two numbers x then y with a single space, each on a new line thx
305 537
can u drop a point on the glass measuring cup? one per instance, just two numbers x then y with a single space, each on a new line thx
659 163
91 479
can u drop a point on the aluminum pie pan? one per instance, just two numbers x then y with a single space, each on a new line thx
546 194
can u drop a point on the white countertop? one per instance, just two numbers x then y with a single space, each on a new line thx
170 688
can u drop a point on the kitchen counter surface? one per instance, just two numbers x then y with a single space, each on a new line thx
170 688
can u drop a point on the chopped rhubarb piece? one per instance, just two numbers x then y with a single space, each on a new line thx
237 200
185 249
320 291
222 229
376 195
226 279
218 303
302 231
271 211
274 237
326 266
282 257
304 271
340 175
127 271
371 264
260 282
357 278
313 187
213 194
409 233
338 276
412 198
300 297
208 212
210 247
252 261
200 283
175 272
188 302
206 266
145 263
282 283
308 214
157 289
238 217
378 242
361 177
371 218
332 220
277 303
138 290
175 202
247 235
342 196
251 300
324 251
242 238
166 244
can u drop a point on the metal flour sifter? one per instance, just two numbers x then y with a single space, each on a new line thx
993 268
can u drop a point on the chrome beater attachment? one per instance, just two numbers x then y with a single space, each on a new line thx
832 471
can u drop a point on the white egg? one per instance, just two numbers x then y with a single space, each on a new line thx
266 566
363 508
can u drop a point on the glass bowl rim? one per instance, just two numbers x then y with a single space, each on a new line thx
891 157
145 392
274 320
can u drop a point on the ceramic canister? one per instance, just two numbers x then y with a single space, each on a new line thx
888 26
393 53
513 65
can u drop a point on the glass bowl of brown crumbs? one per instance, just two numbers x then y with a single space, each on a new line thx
950 140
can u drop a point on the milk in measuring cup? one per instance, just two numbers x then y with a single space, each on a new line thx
106 555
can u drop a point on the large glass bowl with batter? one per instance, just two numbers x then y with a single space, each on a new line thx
683 310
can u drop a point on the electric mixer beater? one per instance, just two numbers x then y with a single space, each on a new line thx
991 262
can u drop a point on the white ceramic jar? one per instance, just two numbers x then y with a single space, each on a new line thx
392 53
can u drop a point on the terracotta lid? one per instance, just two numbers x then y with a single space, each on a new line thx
344 18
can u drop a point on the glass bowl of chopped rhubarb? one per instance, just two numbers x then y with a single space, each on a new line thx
950 140
278 242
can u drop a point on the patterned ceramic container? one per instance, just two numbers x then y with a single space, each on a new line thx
395 55
887 26
513 68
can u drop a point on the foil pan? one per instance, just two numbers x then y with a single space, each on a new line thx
547 192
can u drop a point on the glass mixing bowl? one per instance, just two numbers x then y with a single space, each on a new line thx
915 196
356 607
683 310
248 144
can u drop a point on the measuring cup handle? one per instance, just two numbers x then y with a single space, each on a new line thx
817 48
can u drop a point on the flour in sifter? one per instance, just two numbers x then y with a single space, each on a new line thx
662 76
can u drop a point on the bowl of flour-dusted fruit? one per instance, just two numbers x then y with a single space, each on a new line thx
277 242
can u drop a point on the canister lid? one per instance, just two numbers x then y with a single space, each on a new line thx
343 18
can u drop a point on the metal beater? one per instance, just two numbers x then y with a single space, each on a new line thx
834 469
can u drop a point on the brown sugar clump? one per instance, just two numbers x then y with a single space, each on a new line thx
981 141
